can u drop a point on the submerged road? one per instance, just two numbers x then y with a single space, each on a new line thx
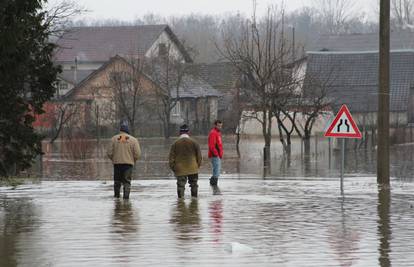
289 222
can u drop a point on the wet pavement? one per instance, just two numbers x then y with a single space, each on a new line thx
277 222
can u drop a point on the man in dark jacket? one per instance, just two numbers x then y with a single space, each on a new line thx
185 160
215 151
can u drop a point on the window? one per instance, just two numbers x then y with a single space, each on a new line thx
176 110
63 86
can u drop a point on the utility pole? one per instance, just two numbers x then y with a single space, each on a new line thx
383 151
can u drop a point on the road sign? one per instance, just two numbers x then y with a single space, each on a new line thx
343 125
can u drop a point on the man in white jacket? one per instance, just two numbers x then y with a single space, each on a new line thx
124 151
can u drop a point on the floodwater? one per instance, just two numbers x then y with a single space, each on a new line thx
287 222
295 216
87 160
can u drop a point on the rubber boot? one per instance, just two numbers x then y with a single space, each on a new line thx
127 189
216 190
117 189
213 181
194 191
180 192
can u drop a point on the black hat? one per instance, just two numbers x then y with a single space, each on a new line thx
124 126
184 129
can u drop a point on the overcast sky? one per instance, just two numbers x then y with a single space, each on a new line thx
129 10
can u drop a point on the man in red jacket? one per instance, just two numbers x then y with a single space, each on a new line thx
215 151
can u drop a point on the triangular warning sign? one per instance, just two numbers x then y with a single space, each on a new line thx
343 125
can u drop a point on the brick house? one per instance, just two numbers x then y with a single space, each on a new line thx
95 98
90 55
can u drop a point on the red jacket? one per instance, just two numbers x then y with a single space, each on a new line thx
215 146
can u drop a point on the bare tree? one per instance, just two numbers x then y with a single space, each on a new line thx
284 89
309 105
167 73
58 17
334 15
402 12
259 55
63 113
127 82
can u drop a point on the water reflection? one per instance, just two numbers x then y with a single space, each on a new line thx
285 222
186 220
344 239
215 210
124 226
17 217
124 220
384 225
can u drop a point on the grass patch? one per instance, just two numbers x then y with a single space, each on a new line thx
12 181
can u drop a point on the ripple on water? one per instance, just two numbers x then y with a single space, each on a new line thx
253 223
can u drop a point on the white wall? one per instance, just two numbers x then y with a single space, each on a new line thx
81 65
254 127
164 38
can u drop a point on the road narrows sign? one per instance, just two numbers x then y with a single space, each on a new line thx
343 125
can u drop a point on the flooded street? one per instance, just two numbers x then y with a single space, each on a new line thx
88 161
289 222
295 216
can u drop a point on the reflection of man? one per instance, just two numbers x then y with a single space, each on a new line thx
185 160
124 151
215 211
123 219
187 219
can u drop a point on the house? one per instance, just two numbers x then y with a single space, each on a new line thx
224 77
98 98
233 107
351 78
91 47
85 49
90 55
197 106
399 40
355 57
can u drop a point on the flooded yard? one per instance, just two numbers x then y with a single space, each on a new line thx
287 222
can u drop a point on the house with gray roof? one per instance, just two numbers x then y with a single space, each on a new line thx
399 40
81 50
196 100
224 77
93 46
351 78
197 104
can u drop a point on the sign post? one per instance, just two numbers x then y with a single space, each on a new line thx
343 126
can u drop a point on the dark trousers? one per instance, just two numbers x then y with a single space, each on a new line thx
122 176
192 180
